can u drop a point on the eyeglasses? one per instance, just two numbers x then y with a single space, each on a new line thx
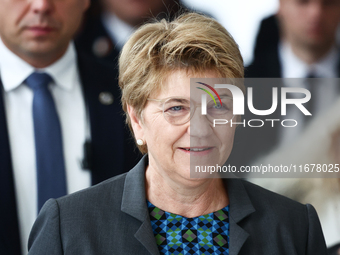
179 110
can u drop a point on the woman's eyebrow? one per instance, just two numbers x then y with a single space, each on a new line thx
224 95
180 100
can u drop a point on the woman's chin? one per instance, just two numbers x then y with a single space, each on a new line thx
192 168
211 160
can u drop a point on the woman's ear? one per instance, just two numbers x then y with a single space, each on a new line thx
136 123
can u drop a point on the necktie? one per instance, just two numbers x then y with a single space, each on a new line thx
51 177
311 84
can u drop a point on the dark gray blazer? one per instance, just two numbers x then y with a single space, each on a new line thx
112 218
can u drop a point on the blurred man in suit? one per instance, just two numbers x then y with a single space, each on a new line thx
111 22
61 123
299 40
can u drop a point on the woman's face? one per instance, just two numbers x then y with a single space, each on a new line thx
172 149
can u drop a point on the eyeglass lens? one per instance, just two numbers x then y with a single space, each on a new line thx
178 111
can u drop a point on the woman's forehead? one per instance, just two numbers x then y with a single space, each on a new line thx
180 83
175 84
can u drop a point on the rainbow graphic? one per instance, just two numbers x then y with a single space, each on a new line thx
212 89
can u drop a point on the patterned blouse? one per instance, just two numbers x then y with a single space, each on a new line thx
178 235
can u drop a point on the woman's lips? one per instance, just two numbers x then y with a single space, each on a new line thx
197 151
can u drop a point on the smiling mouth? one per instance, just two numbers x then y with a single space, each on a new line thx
197 149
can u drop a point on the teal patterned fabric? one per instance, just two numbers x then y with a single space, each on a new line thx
178 235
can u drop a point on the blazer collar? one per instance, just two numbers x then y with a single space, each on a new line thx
240 208
240 203
134 204
134 199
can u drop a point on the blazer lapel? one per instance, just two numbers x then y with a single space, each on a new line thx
240 208
134 204
9 227
238 237
146 237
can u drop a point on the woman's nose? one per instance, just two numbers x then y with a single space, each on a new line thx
199 126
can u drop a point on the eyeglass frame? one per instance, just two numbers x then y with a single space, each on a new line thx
176 97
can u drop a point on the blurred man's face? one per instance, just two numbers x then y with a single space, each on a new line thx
134 12
310 23
32 28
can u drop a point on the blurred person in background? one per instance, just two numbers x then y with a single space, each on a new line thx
111 22
61 123
298 42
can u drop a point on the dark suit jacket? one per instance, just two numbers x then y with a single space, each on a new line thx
112 149
266 61
113 218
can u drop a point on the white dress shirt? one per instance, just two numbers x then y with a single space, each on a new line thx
118 30
18 97
293 67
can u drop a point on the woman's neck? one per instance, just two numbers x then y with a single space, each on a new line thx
200 197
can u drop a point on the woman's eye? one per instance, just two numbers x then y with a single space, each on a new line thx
220 107
176 108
